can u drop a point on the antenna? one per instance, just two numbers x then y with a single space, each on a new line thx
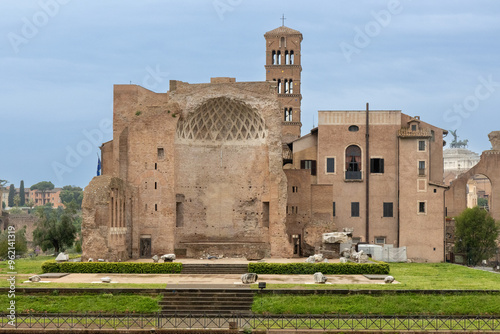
313 121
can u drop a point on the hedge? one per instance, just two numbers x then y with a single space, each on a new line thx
112 267
380 268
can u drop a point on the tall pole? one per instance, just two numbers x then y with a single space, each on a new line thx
367 173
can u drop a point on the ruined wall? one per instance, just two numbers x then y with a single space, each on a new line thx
20 221
106 219
456 196
230 189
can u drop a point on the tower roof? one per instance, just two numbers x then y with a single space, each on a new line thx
281 31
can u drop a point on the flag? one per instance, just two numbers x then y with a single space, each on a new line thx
98 166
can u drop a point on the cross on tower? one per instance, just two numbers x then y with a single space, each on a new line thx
283 18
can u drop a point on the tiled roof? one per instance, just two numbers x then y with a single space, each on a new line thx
283 31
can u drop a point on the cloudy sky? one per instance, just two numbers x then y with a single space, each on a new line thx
59 60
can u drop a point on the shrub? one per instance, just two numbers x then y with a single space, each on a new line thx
380 268
111 267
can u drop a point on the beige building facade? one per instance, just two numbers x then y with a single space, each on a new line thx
220 169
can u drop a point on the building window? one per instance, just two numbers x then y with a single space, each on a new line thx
291 86
295 189
421 145
278 58
156 185
291 57
273 58
330 165
156 207
421 168
388 209
288 114
156 166
376 165
413 127
161 153
380 240
279 86
354 209
308 164
333 209
421 207
354 128
353 163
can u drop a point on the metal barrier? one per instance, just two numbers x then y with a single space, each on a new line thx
251 321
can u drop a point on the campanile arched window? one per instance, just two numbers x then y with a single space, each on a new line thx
353 162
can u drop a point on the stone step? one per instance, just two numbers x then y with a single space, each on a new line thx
215 301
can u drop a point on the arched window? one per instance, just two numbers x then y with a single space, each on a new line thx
287 58
286 86
279 86
278 58
288 114
291 58
353 162
290 84
274 57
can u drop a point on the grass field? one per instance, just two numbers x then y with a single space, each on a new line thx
103 303
421 276
407 304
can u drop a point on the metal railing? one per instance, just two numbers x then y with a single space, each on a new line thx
252 321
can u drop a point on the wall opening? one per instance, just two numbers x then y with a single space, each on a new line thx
479 192
265 214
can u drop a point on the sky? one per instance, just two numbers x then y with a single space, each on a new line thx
59 60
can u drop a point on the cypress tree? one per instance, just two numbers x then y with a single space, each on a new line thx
22 199
12 193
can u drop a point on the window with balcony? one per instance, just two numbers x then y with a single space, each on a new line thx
353 163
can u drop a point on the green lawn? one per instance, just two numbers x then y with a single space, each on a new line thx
107 303
420 276
407 304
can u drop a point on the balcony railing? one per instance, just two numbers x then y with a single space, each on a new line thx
350 175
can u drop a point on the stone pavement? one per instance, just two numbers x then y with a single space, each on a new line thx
214 279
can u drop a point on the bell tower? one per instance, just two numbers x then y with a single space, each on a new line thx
283 66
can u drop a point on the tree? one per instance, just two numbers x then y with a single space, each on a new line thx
30 203
72 193
43 186
54 228
12 193
21 245
475 234
17 200
22 196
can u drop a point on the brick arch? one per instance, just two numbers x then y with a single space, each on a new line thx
456 195
222 120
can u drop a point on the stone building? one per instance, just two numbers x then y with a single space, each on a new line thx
220 168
